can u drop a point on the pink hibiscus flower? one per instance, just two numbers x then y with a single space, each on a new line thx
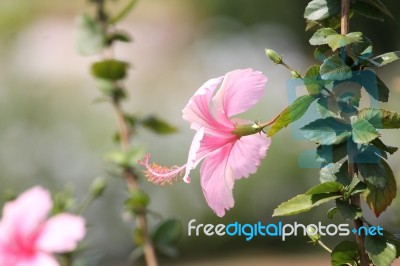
28 239
228 152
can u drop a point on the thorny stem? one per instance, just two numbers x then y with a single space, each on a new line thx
124 134
352 167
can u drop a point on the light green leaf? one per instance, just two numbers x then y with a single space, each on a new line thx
380 250
110 69
381 186
313 82
303 203
127 158
334 68
326 187
326 131
157 125
319 36
291 113
380 118
387 58
344 253
363 132
90 36
321 9
336 41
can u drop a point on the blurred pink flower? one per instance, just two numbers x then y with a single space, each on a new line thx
227 156
28 239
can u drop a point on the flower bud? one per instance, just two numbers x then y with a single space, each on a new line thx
273 56
295 74
97 187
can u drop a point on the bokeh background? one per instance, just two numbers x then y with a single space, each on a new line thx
53 133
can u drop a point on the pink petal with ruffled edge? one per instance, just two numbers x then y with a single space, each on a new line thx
240 90
61 233
247 154
217 180
22 216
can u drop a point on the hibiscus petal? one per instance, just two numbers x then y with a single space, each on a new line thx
247 153
197 111
22 216
217 180
40 259
61 233
240 90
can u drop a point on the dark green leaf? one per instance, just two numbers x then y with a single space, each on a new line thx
373 85
367 10
90 36
335 172
119 36
327 131
363 132
362 48
322 52
332 153
348 211
383 147
303 203
321 9
334 68
344 253
378 5
381 186
319 36
348 93
387 58
291 113
168 233
110 69
381 251
158 125
380 118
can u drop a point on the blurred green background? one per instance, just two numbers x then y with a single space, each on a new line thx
52 132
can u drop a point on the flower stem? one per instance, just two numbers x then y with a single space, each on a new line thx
324 246
352 167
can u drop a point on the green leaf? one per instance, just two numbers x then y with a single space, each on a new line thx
326 187
344 253
303 203
336 41
291 113
348 211
90 36
347 94
383 147
380 6
334 68
319 36
110 69
373 85
363 132
321 9
127 158
335 172
138 201
362 48
326 131
158 125
381 251
331 153
387 58
380 118
119 36
381 186
328 107
168 233
366 10
322 52
313 82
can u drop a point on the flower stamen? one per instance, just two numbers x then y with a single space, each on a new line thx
161 175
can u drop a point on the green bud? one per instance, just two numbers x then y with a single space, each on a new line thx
295 74
138 201
97 187
273 56
245 130
313 234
